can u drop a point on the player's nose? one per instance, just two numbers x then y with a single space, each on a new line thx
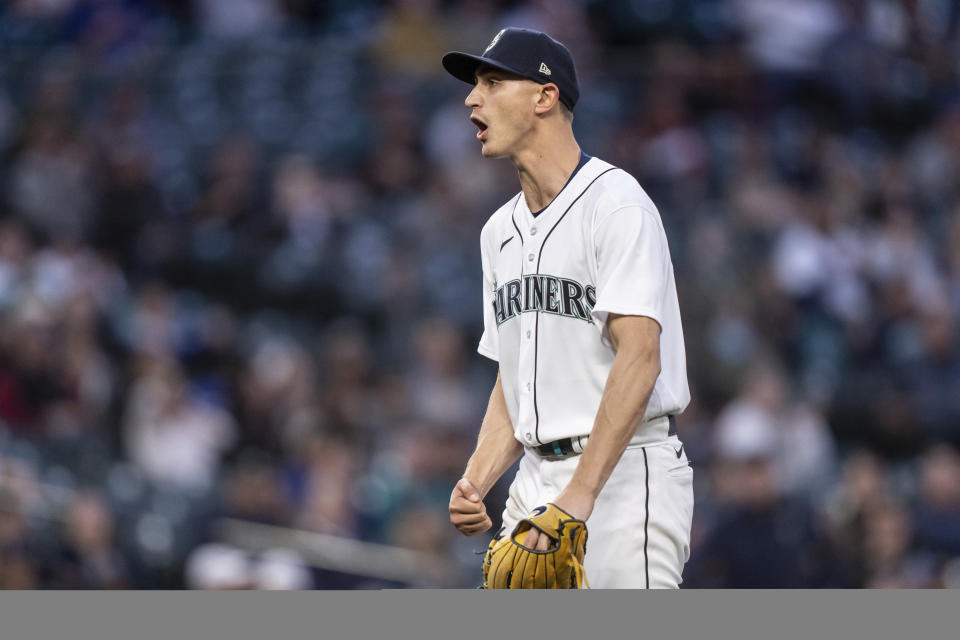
473 98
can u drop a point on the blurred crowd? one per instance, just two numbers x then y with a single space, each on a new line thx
240 278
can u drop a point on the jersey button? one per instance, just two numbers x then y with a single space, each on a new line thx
528 386
528 333
528 436
531 257
533 231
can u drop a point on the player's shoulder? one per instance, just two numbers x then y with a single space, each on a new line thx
615 189
501 219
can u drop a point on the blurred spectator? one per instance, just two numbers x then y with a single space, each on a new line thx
410 38
13 527
430 525
761 538
18 556
175 438
937 517
130 200
25 384
279 401
787 35
950 578
818 260
15 253
304 219
254 491
89 558
326 482
17 571
765 418
934 375
437 381
50 184
347 365
888 559
238 18
864 485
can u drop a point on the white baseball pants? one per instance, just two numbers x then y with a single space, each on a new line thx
638 536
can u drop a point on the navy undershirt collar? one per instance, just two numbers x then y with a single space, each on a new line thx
584 158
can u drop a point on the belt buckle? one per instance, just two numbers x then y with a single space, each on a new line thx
545 451
554 450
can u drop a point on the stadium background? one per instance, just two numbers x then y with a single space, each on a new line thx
240 283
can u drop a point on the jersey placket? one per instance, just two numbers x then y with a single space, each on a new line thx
527 360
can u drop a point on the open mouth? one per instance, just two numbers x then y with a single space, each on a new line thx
481 127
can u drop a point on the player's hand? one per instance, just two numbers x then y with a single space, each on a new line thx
577 505
536 540
467 512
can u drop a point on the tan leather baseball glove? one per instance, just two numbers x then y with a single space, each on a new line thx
510 565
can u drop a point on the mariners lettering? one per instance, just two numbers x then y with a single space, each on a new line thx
547 294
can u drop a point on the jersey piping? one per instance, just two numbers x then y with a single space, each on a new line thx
536 324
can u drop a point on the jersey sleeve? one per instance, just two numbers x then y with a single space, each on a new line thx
632 266
490 340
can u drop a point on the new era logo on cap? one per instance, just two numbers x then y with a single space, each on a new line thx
524 52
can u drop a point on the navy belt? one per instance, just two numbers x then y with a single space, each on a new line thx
571 446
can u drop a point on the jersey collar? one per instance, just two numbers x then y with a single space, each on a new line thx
573 190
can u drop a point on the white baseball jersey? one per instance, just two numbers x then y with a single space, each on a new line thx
550 282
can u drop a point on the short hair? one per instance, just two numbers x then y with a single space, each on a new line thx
565 110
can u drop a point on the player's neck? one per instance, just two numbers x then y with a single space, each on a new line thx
545 168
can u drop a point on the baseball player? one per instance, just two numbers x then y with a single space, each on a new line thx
581 314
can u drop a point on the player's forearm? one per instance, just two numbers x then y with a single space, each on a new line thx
622 406
497 448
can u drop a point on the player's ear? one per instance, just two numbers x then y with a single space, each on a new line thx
547 96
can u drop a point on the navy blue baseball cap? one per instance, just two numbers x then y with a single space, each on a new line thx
524 52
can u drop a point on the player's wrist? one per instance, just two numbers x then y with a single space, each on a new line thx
482 474
577 503
476 484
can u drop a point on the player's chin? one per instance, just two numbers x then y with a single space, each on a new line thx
488 150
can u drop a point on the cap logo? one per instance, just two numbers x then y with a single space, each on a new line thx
496 39
544 69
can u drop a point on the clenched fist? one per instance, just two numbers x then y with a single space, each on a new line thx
467 511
